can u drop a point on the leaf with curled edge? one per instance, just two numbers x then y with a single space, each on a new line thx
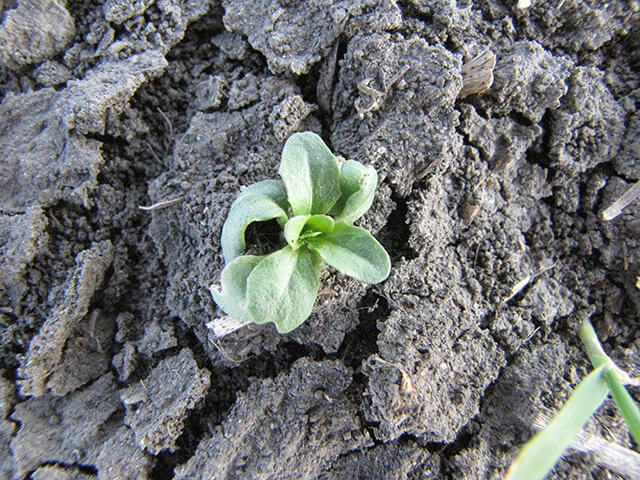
252 205
358 184
231 295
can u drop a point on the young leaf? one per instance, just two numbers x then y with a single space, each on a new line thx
301 224
248 208
592 344
596 353
625 403
541 453
310 174
354 252
614 377
358 184
231 296
320 224
283 287
274 189
293 228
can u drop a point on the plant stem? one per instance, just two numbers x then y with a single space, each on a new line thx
625 403
614 377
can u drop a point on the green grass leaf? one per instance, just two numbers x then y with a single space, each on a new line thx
310 174
625 403
358 185
248 208
354 252
614 377
541 453
309 225
283 287
231 296
592 344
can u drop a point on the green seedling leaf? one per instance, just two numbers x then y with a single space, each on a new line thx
354 252
625 403
310 174
248 208
358 184
274 189
320 224
592 344
293 229
614 376
541 453
231 295
283 287
306 225
596 353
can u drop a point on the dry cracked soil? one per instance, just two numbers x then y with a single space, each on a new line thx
490 203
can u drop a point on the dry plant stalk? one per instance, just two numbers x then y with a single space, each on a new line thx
376 97
627 197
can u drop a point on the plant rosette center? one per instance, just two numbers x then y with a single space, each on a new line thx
315 203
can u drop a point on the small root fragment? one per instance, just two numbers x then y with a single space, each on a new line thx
167 121
163 204
327 292
221 349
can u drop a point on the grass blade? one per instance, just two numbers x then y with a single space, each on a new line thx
541 453
614 378
625 403
597 355
612 456
592 344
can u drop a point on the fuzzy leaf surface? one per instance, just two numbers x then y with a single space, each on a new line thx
231 296
283 287
354 252
358 185
248 208
274 189
310 173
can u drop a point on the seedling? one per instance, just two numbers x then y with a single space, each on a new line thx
541 453
316 203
